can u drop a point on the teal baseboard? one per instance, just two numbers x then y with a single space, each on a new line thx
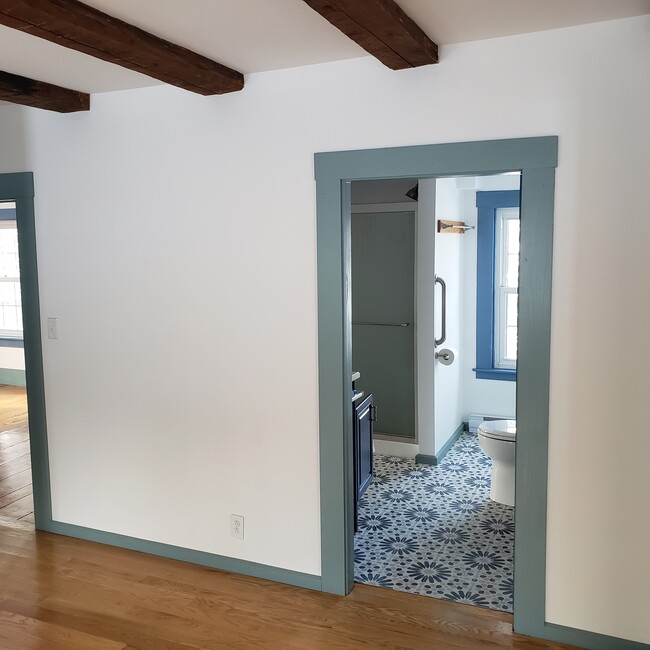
232 565
12 377
427 459
583 638
450 443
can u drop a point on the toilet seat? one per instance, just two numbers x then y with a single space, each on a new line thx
505 430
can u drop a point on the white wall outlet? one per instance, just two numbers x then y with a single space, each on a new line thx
52 328
237 526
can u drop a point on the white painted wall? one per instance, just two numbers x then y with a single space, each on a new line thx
12 358
160 197
13 138
450 267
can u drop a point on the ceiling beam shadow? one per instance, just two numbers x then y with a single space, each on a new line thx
381 28
79 27
38 94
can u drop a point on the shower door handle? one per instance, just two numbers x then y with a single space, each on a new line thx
443 311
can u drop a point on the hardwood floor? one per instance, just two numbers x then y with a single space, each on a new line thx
16 500
65 594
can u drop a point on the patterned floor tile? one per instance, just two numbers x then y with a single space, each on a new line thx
434 530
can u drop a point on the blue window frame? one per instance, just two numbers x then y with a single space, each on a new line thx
488 203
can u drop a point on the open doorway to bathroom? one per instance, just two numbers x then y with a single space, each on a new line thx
16 493
434 520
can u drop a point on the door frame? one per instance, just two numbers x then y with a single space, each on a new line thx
19 187
536 159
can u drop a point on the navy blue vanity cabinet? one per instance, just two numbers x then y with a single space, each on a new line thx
363 416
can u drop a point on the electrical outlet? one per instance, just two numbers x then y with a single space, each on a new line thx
237 526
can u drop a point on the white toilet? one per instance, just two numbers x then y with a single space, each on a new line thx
497 439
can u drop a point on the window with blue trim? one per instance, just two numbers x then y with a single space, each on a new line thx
497 280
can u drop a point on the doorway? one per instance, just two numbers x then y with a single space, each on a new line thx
24 468
536 159
428 524
16 502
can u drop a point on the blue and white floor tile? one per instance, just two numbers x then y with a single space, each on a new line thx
434 530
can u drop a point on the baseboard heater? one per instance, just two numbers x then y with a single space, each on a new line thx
476 418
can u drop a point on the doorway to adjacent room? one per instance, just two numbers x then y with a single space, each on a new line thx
16 497
535 159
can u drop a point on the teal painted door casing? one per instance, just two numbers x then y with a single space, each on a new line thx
383 266
536 158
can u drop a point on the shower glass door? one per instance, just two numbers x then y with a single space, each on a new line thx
383 342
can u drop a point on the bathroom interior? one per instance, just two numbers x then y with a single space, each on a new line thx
434 338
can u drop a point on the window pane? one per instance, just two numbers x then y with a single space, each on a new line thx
510 352
511 343
11 317
512 236
9 253
512 252
6 293
511 310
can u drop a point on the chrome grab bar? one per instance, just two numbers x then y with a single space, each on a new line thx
443 311
358 322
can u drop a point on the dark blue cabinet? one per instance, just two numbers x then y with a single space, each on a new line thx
364 416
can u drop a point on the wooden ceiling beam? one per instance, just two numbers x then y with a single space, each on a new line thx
381 28
38 94
82 28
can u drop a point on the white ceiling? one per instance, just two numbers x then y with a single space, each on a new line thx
260 35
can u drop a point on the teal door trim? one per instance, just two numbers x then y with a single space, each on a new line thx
536 158
19 187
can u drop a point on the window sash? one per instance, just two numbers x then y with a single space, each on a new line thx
504 253
502 328
11 315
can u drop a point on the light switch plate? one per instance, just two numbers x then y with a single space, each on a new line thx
52 328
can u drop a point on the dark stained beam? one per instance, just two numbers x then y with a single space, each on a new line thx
21 90
79 27
381 28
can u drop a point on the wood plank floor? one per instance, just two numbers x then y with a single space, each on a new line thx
16 500
65 594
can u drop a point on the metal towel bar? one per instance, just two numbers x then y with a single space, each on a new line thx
443 312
